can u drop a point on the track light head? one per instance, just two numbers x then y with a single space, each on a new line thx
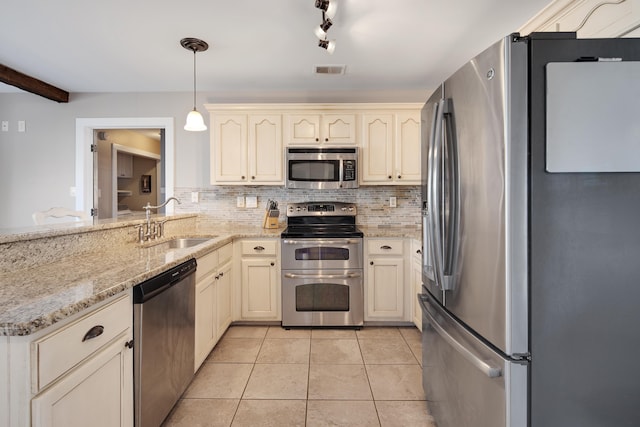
329 7
329 45
321 30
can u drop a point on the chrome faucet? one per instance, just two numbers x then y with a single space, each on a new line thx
152 230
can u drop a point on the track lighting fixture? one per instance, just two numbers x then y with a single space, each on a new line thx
329 7
195 122
330 45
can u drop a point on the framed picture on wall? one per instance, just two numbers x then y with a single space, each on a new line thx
145 183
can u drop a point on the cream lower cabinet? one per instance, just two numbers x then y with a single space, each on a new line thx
246 149
416 281
213 300
385 288
391 148
259 281
76 373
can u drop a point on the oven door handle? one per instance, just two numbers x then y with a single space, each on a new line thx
320 242
322 276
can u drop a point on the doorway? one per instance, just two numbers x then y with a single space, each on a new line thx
85 176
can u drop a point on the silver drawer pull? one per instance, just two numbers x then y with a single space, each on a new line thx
258 248
386 247
94 332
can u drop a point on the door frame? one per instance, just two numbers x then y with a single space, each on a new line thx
84 156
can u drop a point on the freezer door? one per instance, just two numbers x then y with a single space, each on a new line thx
465 381
482 192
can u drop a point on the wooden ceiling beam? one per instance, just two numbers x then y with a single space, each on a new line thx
31 84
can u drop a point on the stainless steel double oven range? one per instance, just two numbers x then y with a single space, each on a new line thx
322 266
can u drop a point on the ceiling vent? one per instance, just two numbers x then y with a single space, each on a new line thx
329 69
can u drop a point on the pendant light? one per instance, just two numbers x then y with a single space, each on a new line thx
195 122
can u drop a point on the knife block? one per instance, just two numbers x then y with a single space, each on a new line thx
271 218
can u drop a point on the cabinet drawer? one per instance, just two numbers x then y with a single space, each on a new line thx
225 253
259 247
63 349
385 247
206 264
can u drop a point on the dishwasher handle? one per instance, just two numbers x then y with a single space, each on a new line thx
163 281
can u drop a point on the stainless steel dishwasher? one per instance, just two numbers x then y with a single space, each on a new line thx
163 353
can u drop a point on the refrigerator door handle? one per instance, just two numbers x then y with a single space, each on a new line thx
485 368
434 186
450 230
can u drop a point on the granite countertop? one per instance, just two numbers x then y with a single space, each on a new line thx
34 298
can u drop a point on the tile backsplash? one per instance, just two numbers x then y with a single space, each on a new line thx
219 202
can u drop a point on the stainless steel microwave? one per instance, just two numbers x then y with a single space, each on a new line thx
322 168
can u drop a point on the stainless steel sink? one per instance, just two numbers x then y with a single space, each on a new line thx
187 242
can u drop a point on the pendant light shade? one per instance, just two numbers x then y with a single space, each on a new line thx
195 121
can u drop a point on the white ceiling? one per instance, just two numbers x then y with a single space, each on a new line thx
254 45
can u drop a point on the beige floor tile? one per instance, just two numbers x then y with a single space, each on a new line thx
382 351
278 381
333 333
335 351
246 332
235 350
219 380
322 413
284 350
378 332
339 382
270 413
396 382
404 413
416 349
279 332
411 334
202 413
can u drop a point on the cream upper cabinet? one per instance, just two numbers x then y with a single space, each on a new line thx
391 148
246 149
329 129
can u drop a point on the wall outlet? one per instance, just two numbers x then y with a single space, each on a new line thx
252 201
392 202
195 197
240 202
22 126
5 126
72 191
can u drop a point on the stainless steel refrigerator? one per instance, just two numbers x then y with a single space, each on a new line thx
531 222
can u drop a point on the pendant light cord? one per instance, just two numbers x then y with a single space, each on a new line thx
194 79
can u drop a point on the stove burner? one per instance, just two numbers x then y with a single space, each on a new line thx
321 220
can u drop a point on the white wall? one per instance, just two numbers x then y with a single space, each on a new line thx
37 167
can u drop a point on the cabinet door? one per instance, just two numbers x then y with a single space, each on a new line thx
265 149
338 129
223 298
205 321
98 393
385 288
303 129
377 148
229 149
416 288
407 149
259 289
125 165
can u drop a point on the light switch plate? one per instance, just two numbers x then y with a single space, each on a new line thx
195 197
252 201
392 202
22 126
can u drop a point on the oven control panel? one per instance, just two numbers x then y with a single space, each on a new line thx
321 209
